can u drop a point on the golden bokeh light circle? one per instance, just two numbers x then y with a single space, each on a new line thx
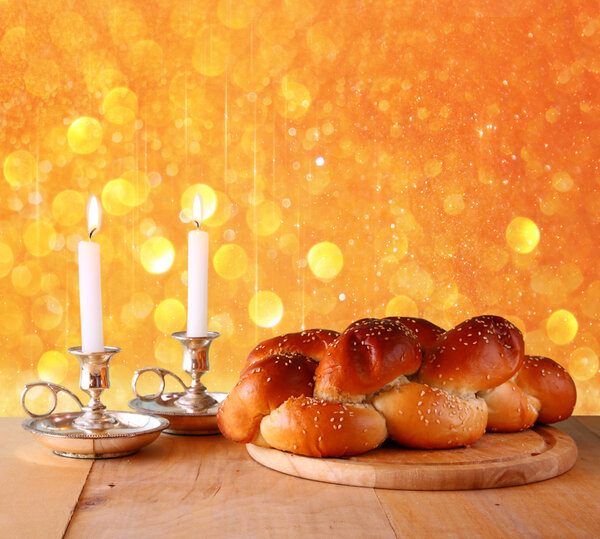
117 196
296 98
230 261
325 260
167 351
223 324
127 317
561 327
120 106
141 305
583 363
454 204
401 306
85 135
27 278
53 367
562 182
68 207
46 312
20 168
432 168
157 254
169 316
265 309
522 235
39 237
288 244
137 188
265 218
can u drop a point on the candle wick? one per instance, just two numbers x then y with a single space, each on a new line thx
92 232
197 223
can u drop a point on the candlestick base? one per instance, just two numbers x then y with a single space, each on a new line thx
127 433
192 411
181 420
94 432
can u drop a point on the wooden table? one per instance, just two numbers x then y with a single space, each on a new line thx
201 486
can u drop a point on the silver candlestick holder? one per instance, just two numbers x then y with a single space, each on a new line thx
94 432
192 411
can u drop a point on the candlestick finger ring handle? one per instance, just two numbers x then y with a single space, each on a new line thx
161 373
93 432
192 411
55 389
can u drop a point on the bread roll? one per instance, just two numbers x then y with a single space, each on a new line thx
480 353
365 357
262 387
551 385
311 343
402 377
316 428
427 333
421 416
509 408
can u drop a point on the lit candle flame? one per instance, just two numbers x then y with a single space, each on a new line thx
198 210
93 215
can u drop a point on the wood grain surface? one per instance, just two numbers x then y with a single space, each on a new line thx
200 486
565 506
195 487
39 488
496 460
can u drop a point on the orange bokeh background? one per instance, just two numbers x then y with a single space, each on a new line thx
437 159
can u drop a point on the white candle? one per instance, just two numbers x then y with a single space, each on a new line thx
197 275
90 293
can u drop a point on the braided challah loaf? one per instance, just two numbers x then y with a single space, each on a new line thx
480 353
325 394
426 332
311 343
541 391
367 356
263 386
318 428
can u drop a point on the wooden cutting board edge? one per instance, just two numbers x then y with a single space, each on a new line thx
559 457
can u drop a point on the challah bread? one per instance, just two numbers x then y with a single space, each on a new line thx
311 343
316 428
426 332
421 416
369 354
509 408
262 387
549 383
480 353
402 378
542 391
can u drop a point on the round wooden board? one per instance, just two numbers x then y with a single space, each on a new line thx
496 460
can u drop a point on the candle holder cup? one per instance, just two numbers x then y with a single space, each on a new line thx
94 432
193 410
